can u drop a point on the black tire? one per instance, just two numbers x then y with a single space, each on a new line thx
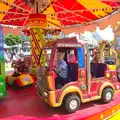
15 85
107 95
67 104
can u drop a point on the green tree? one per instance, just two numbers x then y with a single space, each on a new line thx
112 41
12 39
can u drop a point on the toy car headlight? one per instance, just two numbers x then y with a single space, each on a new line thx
107 75
45 94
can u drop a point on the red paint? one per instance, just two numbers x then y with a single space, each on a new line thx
18 82
7 79
73 5
21 19
97 80
31 16
35 39
34 54
34 78
26 32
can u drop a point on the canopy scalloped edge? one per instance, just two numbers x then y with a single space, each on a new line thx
102 23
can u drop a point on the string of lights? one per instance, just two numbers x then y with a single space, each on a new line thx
55 16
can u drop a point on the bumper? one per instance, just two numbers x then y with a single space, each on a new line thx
50 99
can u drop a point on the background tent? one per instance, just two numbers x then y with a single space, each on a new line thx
60 14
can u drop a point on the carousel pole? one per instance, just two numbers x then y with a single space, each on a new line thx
37 24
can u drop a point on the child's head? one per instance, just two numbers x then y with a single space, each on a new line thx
60 55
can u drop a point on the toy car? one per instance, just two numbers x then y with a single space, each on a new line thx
20 77
87 80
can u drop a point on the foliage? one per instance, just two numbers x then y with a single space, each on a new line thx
112 41
12 39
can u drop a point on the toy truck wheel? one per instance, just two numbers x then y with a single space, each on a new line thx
107 95
72 103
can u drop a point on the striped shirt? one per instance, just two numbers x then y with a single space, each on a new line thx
62 65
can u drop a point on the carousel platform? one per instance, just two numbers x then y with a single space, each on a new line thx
25 104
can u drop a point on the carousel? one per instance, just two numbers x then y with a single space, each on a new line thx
35 76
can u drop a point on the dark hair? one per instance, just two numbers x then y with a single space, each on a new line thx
61 50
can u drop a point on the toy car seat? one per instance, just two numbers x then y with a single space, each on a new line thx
72 68
98 69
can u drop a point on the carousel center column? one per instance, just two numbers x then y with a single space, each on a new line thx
37 24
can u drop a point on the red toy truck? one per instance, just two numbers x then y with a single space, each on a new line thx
87 81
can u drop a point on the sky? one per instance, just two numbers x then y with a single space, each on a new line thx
106 34
94 37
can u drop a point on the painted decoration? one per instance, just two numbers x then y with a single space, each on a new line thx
36 37
60 14
2 66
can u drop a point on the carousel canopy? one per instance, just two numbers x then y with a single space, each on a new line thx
63 13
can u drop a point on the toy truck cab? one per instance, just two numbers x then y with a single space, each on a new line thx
86 81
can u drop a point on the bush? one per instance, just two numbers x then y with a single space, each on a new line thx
12 39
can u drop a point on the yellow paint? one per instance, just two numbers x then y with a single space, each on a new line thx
91 99
52 98
101 116
112 67
50 84
50 10
41 42
117 91
10 1
32 71
32 47
37 23
100 52
113 52
21 78
4 7
36 26
113 111
107 75
115 117
106 84
70 89
24 83
90 4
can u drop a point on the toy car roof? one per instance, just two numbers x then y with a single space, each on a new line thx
65 42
